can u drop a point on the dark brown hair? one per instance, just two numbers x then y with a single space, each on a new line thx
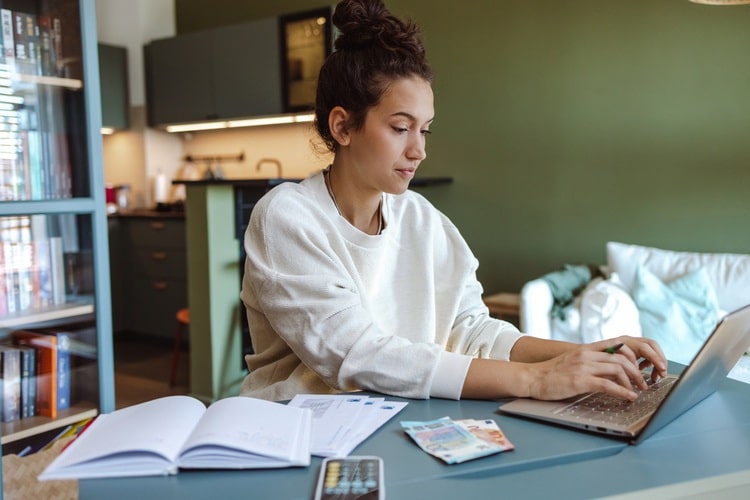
373 49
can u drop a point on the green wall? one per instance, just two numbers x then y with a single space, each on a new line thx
566 124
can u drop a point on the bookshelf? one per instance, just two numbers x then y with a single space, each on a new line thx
54 256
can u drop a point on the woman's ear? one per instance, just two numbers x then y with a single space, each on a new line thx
339 126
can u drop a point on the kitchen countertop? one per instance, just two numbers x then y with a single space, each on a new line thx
149 213
416 182
177 211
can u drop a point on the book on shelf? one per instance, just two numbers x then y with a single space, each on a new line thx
165 435
47 50
3 287
40 168
53 368
57 270
57 46
9 49
31 133
32 275
28 381
26 42
10 381
15 235
67 35
53 145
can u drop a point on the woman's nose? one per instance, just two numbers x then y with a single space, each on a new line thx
417 150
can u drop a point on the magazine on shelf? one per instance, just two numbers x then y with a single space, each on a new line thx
161 436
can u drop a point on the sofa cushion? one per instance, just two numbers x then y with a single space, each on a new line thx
566 324
679 315
728 273
607 311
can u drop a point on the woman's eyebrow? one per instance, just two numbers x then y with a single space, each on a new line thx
410 116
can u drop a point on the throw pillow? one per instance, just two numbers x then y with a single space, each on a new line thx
607 311
566 325
679 315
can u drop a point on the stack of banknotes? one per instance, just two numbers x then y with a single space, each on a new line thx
456 441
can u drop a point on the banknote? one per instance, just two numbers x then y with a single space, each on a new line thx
450 441
488 430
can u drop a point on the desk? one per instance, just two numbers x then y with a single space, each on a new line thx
542 465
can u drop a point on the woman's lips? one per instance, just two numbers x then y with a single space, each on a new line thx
408 173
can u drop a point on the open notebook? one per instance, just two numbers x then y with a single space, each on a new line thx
662 402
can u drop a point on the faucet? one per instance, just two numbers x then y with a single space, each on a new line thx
269 160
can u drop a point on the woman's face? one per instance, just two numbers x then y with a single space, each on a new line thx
387 150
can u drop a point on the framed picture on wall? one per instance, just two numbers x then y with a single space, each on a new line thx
306 41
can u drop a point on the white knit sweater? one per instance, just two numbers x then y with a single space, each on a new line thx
333 309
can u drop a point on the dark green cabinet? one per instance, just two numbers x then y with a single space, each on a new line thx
179 83
225 73
113 77
149 274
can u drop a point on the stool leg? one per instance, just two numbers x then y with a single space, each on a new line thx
176 353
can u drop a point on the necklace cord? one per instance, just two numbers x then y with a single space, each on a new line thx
329 188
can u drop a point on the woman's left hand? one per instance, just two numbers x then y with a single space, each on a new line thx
640 351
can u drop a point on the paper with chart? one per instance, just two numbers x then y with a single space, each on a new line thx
341 422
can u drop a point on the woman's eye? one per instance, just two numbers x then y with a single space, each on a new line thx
426 132
401 130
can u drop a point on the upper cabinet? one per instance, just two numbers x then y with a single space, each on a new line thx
259 68
113 76
306 40
231 72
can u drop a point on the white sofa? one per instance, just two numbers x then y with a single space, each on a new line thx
675 297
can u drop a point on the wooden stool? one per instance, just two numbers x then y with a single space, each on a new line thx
183 319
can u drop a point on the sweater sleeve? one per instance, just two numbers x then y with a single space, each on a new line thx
474 333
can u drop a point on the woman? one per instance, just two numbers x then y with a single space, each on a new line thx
354 282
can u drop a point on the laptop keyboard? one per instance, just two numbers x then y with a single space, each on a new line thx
601 407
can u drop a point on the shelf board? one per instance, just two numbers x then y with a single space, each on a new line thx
30 427
54 81
52 206
72 309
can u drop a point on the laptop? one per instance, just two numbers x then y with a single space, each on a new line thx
663 401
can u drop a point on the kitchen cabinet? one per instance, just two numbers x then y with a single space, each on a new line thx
54 270
113 75
149 272
224 73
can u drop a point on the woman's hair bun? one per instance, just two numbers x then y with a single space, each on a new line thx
367 22
372 49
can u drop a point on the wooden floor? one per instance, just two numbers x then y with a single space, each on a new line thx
142 368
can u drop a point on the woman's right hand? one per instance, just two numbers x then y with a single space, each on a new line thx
552 370
584 369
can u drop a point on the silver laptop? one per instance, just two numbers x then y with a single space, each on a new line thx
662 402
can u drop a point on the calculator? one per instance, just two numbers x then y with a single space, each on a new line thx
349 478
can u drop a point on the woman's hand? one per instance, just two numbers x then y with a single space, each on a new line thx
645 352
548 369
588 368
